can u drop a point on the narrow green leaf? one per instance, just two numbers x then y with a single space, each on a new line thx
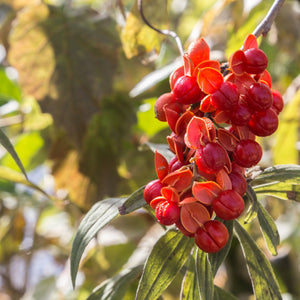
5 142
252 211
16 177
220 294
190 289
166 259
269 229
204 276
263 279
98 216
282 181
133 202
217 258
115 287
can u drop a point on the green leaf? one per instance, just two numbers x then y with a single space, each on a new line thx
252 211
190 289
166 259
71 59
98 216
204 276
255 16
263 279
5 142
133 202
145 117
29 146
286 137
282 181
216 259
221 294
16 177
269 229
137 37
8 89
114 288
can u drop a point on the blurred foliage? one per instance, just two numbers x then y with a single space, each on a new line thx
67 71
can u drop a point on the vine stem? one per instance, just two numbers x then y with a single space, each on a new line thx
162 31
265 25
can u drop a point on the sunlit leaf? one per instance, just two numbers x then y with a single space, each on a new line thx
16 177
262 276
284 150
98 216
115 287
9 90
5 142
133 202
49 47
166 259
282 181
137 37
145 117
190 289
269 229
221 294
204 276
255 16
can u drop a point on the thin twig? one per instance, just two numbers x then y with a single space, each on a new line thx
265 25
162 31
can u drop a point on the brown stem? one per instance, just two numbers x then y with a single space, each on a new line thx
162 31
265 25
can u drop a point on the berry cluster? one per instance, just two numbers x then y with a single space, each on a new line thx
214 119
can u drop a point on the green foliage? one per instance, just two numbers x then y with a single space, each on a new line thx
84 127
166 259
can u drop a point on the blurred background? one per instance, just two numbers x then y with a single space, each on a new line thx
78 82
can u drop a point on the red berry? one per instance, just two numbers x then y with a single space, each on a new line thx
240 115
187 91
164 99
247 153
263 123
239 183
256 61
175 164
211 158
152 190
212 237
277 102
229 205
167 213
226 97
259 97
175 76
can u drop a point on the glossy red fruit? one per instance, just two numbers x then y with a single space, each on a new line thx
229 205
226 97
166 99
256 61
264 123
238 182
187 91
211 158
167 213
277 102
212 237
259 97
240 115
175 76
247 153
175 164
152 190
